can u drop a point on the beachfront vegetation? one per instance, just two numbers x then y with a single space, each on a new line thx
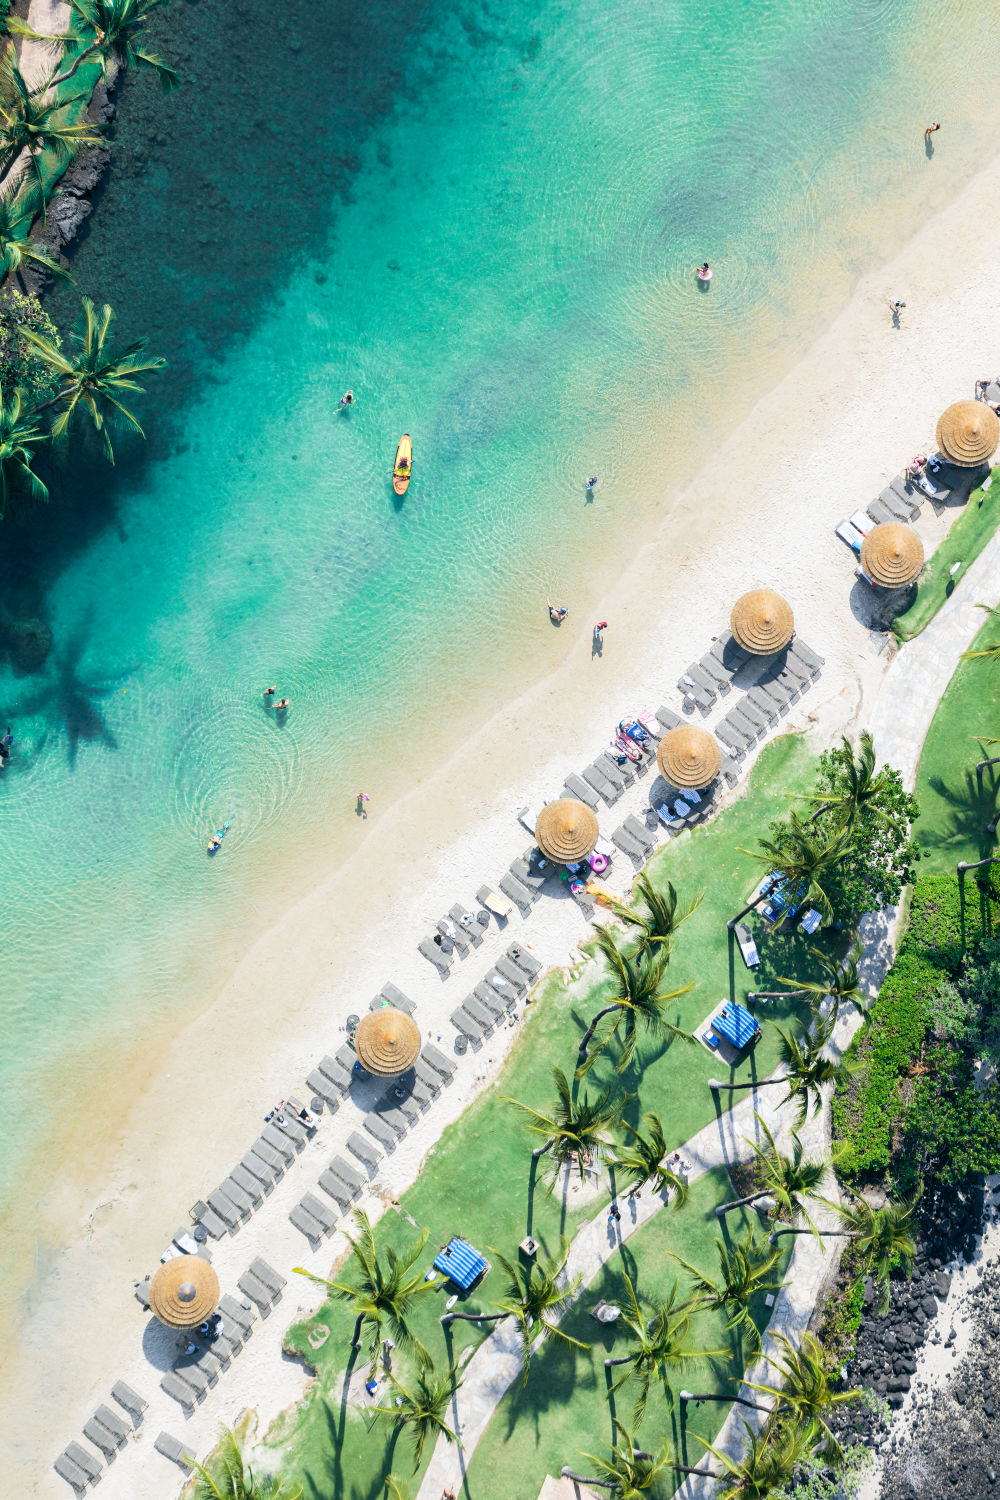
227 1476
789 1180
966 537
628 1471
642 1159
809 1067
20 202
421 1411
34 122
639 998
803 858
112 32
746 1270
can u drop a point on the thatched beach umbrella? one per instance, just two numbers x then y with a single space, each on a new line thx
968 433
892 555
387 1042
184 1291
689 756
762 622
566 831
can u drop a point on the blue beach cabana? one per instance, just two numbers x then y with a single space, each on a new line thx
461 1263
737 1025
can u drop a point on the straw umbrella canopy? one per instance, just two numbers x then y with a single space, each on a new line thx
762 622
387 1042
892 555
968 433
689 756
184 1291
566 831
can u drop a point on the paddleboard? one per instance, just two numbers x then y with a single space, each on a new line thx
403 466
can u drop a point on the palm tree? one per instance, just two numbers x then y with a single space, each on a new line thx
423 1409
111 29
236 1480
18 436
744 1272
18 206
574 1126
864 790
95 376
660 920
639 998
808 1069
642 1160
841 982
789 1180
768 1461
991 653
806 1386
381 1293
663 1347
536 1297
629 1472
882 1238
32 121
802 858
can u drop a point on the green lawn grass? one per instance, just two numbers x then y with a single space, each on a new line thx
955 805
475 1181
969 533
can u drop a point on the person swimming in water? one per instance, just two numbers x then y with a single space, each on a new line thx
282 704
557 612
704 272
591 481
347 399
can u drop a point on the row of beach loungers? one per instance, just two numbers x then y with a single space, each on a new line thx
108 1432
487 1006
197 1369
903 498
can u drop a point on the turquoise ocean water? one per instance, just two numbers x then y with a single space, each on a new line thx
484 218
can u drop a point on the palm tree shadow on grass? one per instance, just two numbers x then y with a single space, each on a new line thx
557 1371
973 804
70 700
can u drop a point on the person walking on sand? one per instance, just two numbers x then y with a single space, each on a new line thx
896 309
361 807
930 129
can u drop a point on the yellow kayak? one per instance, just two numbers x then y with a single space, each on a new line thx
403 466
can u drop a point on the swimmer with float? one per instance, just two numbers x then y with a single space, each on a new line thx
704 272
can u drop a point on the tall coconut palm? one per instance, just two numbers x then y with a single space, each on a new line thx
381 1292
94 376
864 790
744 1273
789 1180
841 982
808 1068
32 121
642 1160
663 1347
421 1411
805 1386
882 1238
231 1478
575 1126
767 1463
803 857
639 998
990 653
536 1295
111 31
629 1472
658 918
19 203
18 437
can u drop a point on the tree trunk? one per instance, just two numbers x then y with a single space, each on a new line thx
581 1056
598 1484
684 1469
834 1234
626 1359
737 1400
541 1150
731 924
758 1083
64 77
454 1317
742 1202
775 994
356 1335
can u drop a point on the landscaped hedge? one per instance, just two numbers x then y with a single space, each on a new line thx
935 929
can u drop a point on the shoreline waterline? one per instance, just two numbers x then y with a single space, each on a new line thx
442 839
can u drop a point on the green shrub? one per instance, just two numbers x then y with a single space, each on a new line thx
935 929
838 1332
950 1132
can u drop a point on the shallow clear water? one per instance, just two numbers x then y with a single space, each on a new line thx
485 220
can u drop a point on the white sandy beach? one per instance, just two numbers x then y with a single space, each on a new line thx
822 444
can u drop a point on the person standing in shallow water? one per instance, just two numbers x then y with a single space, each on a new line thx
930 129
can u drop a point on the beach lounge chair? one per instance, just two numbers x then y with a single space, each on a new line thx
85 1460
346 1060
323 1089
753 729
268 1275
771 705
425 1075
180 1390
511 971
466 1025
806 655
729 770
279 1142
640 833
226 1210
382 1131
487 996
691 690
268 1158
254 1288
498 904
622 776
141 1289
364 1149
748 947
293 1128
307 1224
396 998
336 1190
525 960
933 485
456 935
246 1186
389 1118
908 494
352 1180
810 921
112 1421
758 720
716 673
700 679
532 870
576 787
209 1364
880 513
668 818
522 898
732 740
416 1089
485 1016
628 844
101 1438
242 1316
129 1399
323 1215
607 790
172 1448
255 1165
861 521
851 535
406 1105
472 931
222 1348
71 1472
729 652
441 1064
432 952
901 509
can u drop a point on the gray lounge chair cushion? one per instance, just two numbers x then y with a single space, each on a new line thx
295 1131
141 1291
176 1451
192 1376
247 1198
274 1159
522 898
255 1166
242 1316
128 1398
380 1130
602 784
527 872
431 951
324 1089
627 843
474 933
701 679
386 1111
493 1001
733 740
444 1065
179 1389
340 1194
455 934
71 1472
267 1274
320 1213
310 1226
113 1422
101 1437
622 776
88 1462
255 1289
668 718
224 1206
426 1075
216 1227
280 1142
577 787
717 673
209 1364
509 969
348 1175
410 1108
640 832
525 960
484 1014
880 513
333 1069
398 999
806 654
704 697
466 1024
363 1148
